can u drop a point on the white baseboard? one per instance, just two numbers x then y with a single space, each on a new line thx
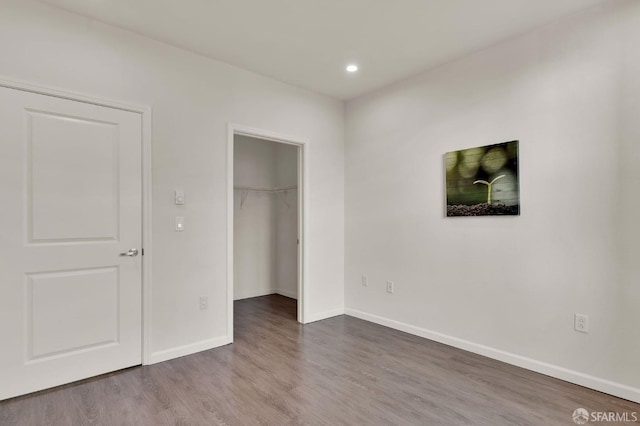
192 348
599 384
286 293
323 315
258 294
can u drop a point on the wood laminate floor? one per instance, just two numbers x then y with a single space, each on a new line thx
340 371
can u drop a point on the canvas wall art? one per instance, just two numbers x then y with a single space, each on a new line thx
483 181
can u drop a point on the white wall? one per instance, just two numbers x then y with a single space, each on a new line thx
287 221
254 220
265 228
193 98
509 286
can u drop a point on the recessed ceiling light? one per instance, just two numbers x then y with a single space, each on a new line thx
352 68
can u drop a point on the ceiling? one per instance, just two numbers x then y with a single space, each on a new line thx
308 43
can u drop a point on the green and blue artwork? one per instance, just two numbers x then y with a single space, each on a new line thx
483 181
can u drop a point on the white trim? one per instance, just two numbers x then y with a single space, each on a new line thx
572 376
189 349
285 293
71 95
147 230
303 145
258 294
230 212
145 112
304 162
324 315
289 294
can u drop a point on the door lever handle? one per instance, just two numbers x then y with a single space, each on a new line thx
131 253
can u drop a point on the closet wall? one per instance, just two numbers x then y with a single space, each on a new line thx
286 230
265 224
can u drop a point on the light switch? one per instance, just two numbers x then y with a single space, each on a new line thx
179 223
179 197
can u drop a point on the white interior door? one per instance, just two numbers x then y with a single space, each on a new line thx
70 179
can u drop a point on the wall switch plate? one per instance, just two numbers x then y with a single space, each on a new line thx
365 281
204 303
390 286
179 197
581 323
179 223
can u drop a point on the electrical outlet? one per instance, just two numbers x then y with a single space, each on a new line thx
581 323
365 281
204 303
390 286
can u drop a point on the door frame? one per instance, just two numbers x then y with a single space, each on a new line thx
145 113
303 144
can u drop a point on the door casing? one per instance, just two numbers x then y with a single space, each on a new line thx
303 145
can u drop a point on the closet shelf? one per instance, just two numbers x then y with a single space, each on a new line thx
280 190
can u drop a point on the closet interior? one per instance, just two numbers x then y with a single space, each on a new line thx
265 218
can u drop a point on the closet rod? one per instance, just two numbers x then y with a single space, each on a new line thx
273 190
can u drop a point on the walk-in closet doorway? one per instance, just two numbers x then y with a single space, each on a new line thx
266 190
